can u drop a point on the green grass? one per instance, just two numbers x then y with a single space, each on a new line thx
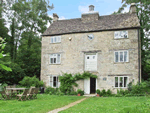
42 104
111 105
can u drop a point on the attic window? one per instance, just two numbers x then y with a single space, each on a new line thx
120 34
55 39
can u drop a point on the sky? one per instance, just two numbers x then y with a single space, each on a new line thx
69 9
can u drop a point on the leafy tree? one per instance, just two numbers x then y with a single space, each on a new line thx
2 63
143 13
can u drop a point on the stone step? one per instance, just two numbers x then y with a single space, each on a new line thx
90 95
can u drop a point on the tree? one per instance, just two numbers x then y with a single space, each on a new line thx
143 13
2 63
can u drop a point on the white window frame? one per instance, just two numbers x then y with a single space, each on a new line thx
58 39
119 56
121 37
54 56
57 81
123 81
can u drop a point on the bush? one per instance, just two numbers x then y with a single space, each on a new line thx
73 93
103 92
98 91
79 91
52 91
108 92
31 81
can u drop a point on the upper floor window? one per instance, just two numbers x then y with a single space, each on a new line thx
55 58
121 56
56 39
120 34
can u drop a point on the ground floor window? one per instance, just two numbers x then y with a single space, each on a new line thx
54 82
121 82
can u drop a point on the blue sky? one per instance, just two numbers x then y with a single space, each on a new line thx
67 9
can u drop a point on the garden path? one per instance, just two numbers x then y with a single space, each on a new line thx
67 106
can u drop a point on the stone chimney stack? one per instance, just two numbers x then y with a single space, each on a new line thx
90 16
133 8
55 17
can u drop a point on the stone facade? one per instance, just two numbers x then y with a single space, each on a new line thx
73 57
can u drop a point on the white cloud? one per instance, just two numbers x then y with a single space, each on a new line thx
126 10
83 9
62 18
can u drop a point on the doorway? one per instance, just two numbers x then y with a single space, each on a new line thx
92 85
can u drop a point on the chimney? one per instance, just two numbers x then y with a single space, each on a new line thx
55 17
91 15
91 8
133 8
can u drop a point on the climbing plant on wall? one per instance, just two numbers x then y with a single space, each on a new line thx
69 80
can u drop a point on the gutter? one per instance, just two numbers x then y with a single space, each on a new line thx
139 56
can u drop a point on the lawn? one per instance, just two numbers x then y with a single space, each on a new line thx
110 105
43 104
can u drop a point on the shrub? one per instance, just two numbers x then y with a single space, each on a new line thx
79 91
109 92
52 91
31 81
103 92
73 93
98 91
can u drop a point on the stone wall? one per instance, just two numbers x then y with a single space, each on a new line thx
73 56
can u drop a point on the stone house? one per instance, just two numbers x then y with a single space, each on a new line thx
108 46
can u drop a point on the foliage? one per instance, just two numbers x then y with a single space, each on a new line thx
12 77
31 81
51 91
68 81
103 93
30 59
79 91
2 63
27 19
98 91
106 93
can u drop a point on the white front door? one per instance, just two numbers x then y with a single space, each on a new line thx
91 62
87 86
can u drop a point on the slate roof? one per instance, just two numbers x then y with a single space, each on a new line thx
108 22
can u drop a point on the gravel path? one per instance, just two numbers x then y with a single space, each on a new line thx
67 106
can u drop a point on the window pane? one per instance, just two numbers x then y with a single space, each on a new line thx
54 81
116 81
58 58
54 60
55 39
121 56
51 39
121 82
125 81
125 56
51 60
93 57
116 56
